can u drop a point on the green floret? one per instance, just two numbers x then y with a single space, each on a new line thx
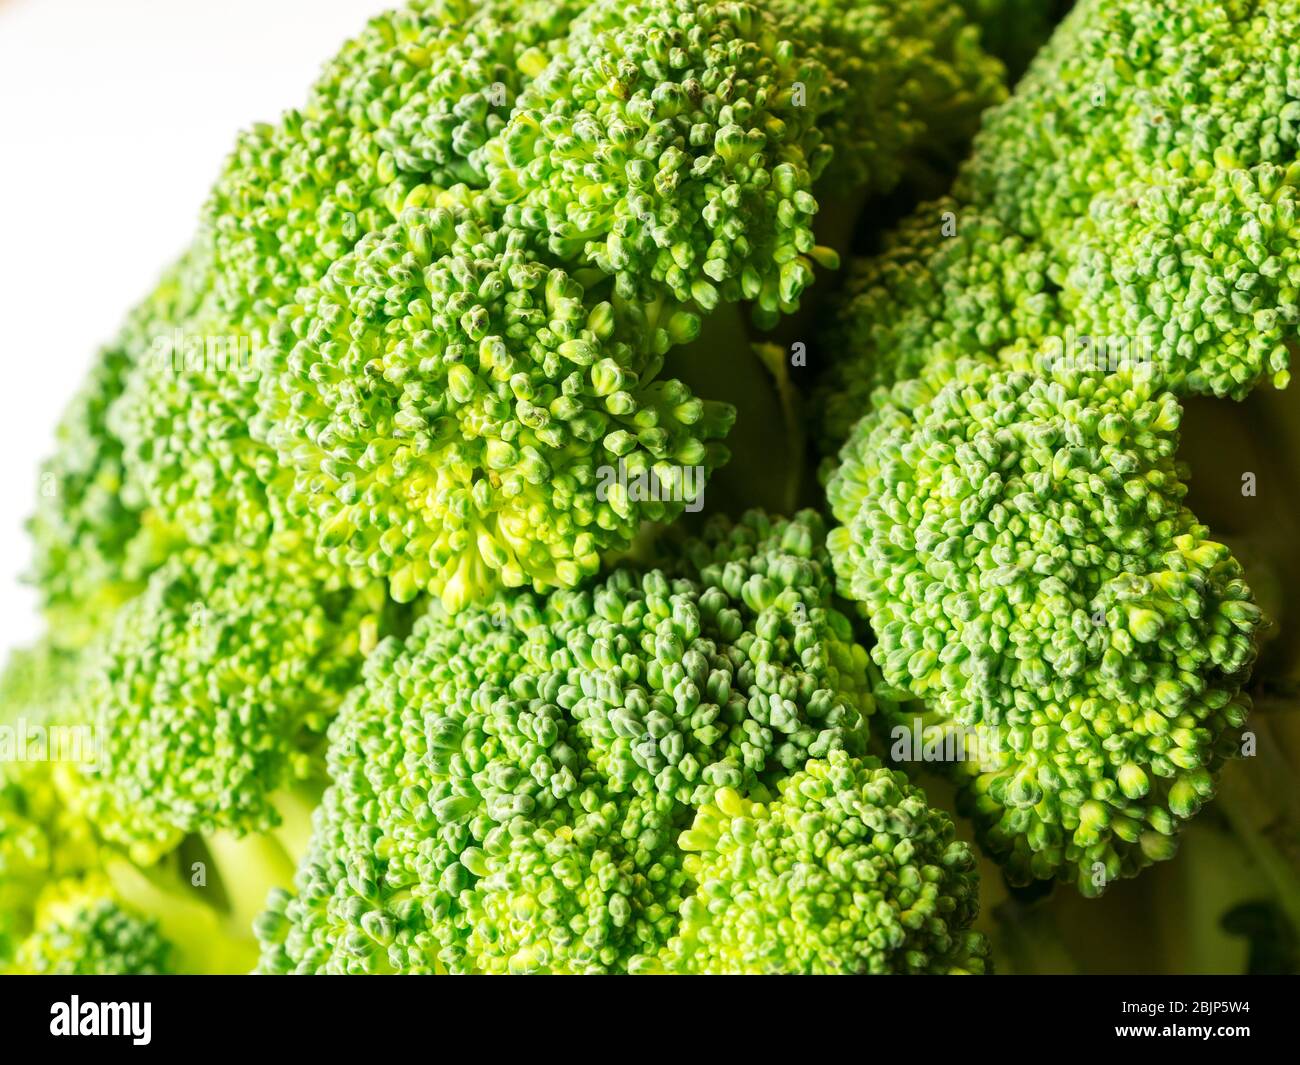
88 934
847 870
1019 541
510 787
186 451
82 528
1131 89
70 904
675 146
948 284
1138 194
212 692
113 919
477 359
295 198
434 305
94 541
402 110
453 390
1201 271
1151 149
667 146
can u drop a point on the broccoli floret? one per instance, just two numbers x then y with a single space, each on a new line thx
81 528
504 404
435 304
1164 188
114 919
511 340
81 930
94 544
847 870
510 786
1138 189
391 119
212 692
1019 541
73 902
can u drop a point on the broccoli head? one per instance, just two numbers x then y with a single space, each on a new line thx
469 331
514 788
81 930
212 692
1019 541
1135 196
434 307
847 869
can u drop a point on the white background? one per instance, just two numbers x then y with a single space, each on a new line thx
115 116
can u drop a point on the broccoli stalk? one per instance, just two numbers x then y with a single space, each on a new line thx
248 868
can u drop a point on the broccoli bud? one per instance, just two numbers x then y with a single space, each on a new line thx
1019 541
511 786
